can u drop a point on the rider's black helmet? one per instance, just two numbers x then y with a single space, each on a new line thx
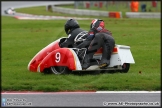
70 24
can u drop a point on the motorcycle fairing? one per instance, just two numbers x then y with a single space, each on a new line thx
60 57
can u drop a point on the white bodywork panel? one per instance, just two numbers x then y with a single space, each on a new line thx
122 56
77 62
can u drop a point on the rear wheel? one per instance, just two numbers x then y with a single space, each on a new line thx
125 68
59 70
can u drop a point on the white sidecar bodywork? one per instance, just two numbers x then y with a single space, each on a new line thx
120 56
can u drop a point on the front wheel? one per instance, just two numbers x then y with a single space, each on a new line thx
59 70
125 68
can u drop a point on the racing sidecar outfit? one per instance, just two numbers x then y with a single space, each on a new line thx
10 11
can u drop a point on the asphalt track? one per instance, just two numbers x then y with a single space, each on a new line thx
75 99
23 16
20 4
82 99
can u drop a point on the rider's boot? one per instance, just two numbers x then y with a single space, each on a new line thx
105 60
106 55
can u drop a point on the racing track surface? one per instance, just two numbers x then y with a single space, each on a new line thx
67 99
76 99
20 4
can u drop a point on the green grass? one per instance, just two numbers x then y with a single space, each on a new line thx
22 39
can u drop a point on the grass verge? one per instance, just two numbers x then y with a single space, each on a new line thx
22 39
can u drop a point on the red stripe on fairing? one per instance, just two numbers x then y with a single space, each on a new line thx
115 50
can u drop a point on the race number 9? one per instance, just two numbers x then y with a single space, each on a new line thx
57 56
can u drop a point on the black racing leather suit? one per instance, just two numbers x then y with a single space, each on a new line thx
75 37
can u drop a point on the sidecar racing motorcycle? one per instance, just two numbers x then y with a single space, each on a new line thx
10 11
57 60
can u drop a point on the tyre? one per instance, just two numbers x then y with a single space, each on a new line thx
59 70
125 68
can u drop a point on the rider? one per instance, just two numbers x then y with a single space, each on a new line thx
76 35
98 37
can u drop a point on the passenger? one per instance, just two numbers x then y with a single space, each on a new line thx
98 37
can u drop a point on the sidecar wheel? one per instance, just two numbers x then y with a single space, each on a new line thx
59 70
125 68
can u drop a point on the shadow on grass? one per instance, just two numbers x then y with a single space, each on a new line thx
89 72
97 72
